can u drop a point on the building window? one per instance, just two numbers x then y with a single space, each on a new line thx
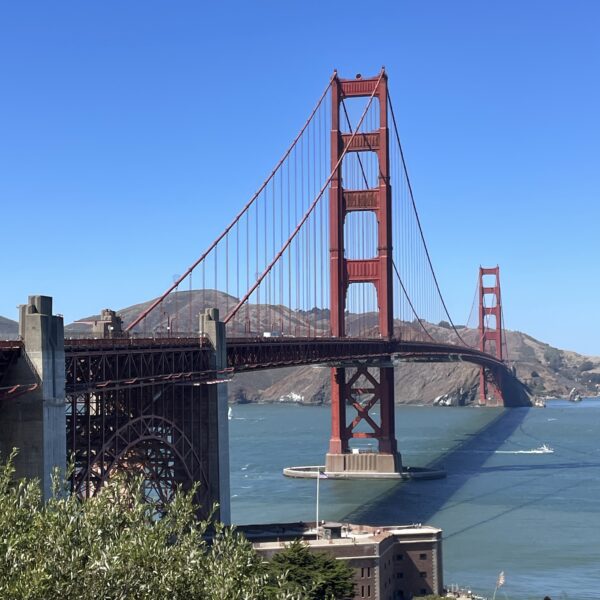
362 591
423 574
368 591
368 571
423 556
362 573
400 575
399 556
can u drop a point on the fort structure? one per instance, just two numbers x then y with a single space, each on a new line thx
389 563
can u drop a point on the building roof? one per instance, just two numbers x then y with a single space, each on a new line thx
273 536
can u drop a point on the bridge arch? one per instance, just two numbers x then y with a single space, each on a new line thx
153 447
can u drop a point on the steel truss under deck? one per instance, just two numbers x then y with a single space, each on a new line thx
138 407
144 406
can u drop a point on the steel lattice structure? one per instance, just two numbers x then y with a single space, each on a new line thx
139 407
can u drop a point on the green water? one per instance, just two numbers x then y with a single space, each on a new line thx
502 507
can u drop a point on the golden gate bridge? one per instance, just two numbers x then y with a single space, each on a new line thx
326 264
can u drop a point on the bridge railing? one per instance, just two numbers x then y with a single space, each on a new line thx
131 342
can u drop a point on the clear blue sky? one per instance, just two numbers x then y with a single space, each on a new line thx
123 125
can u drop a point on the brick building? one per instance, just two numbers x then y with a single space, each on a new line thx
390 563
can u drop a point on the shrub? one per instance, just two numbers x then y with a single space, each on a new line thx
118 546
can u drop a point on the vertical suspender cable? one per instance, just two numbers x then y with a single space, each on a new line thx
304 218
419 221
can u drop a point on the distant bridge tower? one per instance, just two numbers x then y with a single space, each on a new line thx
490 336
367 385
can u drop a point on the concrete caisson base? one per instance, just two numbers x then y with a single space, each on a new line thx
369 463
310 472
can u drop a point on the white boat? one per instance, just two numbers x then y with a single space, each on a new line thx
539 403
461 593
292 397
574 395
230 413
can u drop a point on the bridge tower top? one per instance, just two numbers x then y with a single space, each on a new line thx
376 270
490 313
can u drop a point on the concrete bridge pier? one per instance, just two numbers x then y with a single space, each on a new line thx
35 422
376 385
218 422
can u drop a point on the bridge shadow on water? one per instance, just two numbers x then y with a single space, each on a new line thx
417 501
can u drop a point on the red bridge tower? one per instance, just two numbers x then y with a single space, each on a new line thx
490 336
366 385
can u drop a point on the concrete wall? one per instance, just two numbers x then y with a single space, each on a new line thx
389 563
218 421
35 422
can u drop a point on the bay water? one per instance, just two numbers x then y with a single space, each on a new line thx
507 504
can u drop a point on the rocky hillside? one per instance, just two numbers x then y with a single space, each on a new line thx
546 371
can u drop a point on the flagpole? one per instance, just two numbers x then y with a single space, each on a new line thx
317 511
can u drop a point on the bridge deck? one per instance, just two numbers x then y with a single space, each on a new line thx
9 353
93 363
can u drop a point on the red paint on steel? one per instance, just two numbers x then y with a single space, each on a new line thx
16 390
490 335
377 271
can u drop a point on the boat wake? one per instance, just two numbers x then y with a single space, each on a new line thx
543 449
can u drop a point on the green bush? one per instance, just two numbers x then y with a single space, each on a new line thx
117 546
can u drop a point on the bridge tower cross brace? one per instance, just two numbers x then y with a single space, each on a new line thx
490 388
376 270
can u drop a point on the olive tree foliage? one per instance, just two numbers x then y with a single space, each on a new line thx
117 546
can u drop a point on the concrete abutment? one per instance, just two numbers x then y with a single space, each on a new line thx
35 422
214 331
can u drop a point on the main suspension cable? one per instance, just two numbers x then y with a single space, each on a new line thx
419 321
410 191
307 213
244 210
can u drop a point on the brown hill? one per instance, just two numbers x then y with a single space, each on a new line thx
9 329
545 370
